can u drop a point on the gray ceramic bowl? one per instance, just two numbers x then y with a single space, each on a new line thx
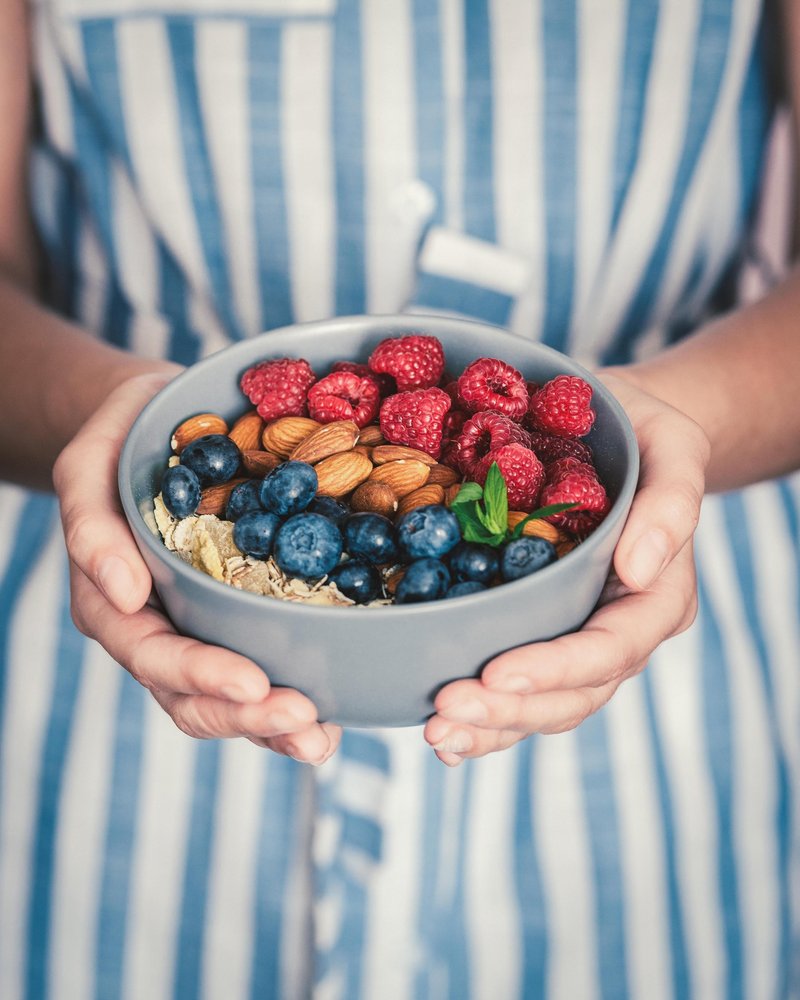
372 666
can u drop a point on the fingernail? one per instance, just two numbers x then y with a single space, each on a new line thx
649 557
456 741
450 759
513 684
116 581
468 710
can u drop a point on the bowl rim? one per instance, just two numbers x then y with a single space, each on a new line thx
352 324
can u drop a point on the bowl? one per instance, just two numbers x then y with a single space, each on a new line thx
376 666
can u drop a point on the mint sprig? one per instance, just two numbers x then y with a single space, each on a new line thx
482 511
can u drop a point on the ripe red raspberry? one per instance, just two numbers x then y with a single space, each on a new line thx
490 384
562 407
484 432
553 471
578 484
279 388
344 396
453 423
550 447
416 419
414 361
385 383
522 471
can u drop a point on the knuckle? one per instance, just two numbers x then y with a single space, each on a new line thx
78 531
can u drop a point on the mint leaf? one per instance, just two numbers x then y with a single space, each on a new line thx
468 517
553 508
468 493
495 500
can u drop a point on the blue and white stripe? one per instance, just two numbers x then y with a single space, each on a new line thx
208 170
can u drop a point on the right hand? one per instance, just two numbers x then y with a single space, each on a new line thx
209 692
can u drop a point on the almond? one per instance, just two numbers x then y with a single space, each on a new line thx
214 499
371 435
341 474
537 528
327 440
377 498
246 432
403 476
364 449
451 492
420 498
394 578
195 427
562 548
442 475
259 463
383 453
282 436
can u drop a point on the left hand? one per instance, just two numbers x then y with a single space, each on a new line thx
551 687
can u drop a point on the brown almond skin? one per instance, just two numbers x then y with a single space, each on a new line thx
214 499
383 453
393 579
451 492
283 435
376 498
371 435
246 431
404 476
330 439
340 474
196 427
425 495
259 463
538 528
442 475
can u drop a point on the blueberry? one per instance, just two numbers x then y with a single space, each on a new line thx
371 536
180 491
244 497
424 580
289 488
428 532
329 507
254 532
464 588
214 458
357 579
526 555
308 546
474 561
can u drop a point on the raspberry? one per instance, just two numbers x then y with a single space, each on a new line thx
453 423
416 419
279 388
484 432
562 407
550 447
577 483
490 384
556 470
385 383
344 396
522 471
414 361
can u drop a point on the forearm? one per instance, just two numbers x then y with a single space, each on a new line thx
55 375
739 379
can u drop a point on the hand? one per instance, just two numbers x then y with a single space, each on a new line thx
551 687
208 692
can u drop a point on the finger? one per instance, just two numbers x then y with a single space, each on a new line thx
612 645
454 743
96 532
203 717
146 644
314 745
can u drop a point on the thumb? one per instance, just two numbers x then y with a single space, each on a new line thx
85 478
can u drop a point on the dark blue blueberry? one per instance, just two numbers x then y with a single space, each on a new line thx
428 532
254 532
308 546
357 579
329 507
424 580
244 497
526 555
474 561
371 536
464 588
289 488
180 491
214 458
